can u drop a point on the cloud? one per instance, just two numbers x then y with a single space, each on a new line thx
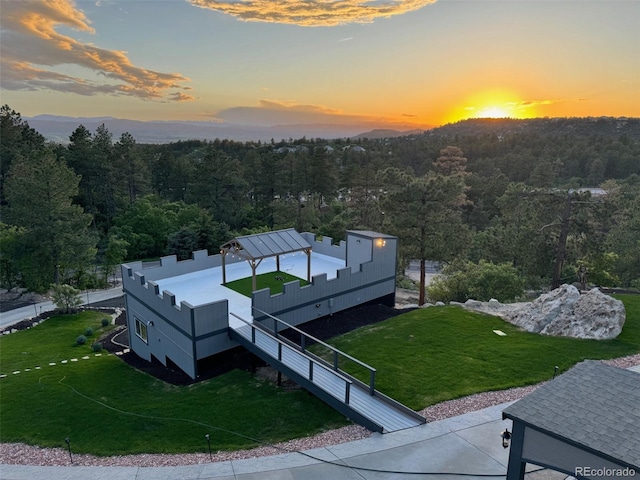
531 103
270 113
32 48
524 105
312 13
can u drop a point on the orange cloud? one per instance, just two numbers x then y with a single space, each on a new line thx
530 103
31 48
312 13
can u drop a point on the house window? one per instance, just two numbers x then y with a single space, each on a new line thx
141 329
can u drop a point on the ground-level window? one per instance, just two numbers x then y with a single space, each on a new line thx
141 329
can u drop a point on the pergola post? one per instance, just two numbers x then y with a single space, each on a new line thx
255 248
224 267
254 267
253 275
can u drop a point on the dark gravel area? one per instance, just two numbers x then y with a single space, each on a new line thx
239 358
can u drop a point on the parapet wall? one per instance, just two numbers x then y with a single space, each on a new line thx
325 246
171 267
185 333
299 304
182 332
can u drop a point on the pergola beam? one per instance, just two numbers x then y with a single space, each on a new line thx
257 247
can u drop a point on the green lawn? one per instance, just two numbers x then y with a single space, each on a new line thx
271 280
108 408
440 353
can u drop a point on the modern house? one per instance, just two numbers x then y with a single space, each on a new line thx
181 312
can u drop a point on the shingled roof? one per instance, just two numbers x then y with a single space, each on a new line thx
593 405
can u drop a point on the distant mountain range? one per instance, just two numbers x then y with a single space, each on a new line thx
58 129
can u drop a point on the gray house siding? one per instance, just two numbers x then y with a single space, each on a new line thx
325 246
185 333
369 274
179 332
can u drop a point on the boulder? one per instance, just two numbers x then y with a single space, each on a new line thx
562 312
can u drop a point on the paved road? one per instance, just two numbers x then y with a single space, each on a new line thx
90 297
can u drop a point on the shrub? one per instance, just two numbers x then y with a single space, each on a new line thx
88 331
105 321
407 283
482 281
81 340
66 298
96 347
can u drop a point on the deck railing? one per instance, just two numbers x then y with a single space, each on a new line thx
336 353
313 362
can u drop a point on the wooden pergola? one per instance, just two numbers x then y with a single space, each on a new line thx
257 247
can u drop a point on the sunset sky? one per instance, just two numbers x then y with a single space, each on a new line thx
263 62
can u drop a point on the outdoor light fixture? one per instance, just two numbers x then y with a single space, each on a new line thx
555 371
209 444
69 447
380 242
506 436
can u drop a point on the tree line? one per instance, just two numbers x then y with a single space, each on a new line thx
516 198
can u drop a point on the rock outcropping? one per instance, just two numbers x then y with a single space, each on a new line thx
562 312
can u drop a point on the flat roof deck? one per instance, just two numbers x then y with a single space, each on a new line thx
205 286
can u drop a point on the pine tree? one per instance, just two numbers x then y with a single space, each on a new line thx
57 242
425 214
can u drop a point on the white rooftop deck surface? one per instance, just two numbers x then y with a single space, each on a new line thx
205 286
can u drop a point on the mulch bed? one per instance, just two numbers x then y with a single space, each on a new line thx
239 358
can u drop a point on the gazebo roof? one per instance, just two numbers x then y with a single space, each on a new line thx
269 244
592 405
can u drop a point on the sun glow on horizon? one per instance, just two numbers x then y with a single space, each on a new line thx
493 104
492 112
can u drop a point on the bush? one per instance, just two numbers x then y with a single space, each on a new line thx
105 322
407 283
88 331
601 269
66 298
482 281
81 340
96 347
